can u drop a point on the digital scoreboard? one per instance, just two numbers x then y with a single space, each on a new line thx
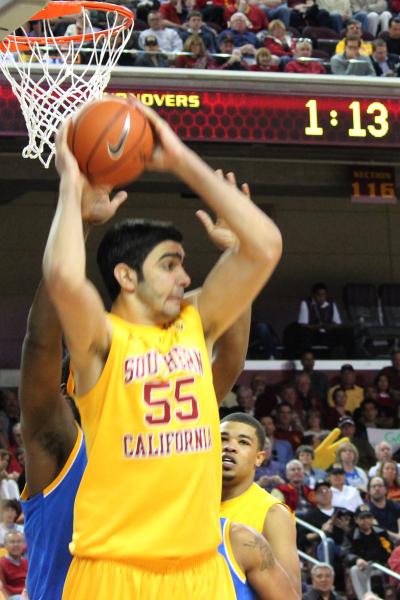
329 117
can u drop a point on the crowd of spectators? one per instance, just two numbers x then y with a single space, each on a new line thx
231 34
356 500
13 551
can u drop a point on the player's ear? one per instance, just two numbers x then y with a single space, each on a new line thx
260 458
126 277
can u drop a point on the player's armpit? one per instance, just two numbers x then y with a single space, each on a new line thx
229 350
263 572
280 531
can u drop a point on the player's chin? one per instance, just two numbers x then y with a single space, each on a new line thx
228 473
173 308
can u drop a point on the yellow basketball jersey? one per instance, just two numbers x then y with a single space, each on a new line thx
250 508
151 491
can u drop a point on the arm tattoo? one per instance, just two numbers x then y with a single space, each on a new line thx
264 551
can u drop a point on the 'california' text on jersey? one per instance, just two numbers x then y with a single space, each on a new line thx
151 491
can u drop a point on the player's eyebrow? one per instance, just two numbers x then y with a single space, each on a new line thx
243 436
179 255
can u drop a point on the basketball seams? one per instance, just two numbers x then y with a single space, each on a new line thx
100 137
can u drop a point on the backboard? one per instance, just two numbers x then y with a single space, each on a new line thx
14 13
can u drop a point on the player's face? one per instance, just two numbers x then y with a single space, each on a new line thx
164 282
240 453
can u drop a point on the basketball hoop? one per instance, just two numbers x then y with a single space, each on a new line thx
46 73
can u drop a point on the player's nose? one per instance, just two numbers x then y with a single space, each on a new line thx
184 279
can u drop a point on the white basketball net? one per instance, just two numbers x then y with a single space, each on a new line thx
50 84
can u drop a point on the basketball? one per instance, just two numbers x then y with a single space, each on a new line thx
112 140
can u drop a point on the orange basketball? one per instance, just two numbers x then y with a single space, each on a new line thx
112 140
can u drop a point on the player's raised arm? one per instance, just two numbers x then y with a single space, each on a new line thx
45 413
230 349
263 572
235 281
77 302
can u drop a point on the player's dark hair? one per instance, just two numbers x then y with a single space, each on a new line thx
130 242
248 420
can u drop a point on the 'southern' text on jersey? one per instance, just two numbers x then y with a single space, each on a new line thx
155 364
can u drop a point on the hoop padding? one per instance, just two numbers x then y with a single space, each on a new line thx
47 73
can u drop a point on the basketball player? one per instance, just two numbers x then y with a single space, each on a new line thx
243 501
54 444
55 449
144 385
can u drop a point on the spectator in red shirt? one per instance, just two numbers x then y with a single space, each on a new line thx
303 63
14 568
198 57
336 412
254 13
264 61
172 13
287 427
278 41
297 496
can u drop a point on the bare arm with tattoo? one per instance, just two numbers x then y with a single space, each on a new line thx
256 559
280 532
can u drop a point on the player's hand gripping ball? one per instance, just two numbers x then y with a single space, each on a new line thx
112 140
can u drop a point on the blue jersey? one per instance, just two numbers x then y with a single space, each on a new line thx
242 588
48 527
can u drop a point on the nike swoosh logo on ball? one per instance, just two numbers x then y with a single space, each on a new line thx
115 150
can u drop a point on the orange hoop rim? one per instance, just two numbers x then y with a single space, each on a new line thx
61 9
